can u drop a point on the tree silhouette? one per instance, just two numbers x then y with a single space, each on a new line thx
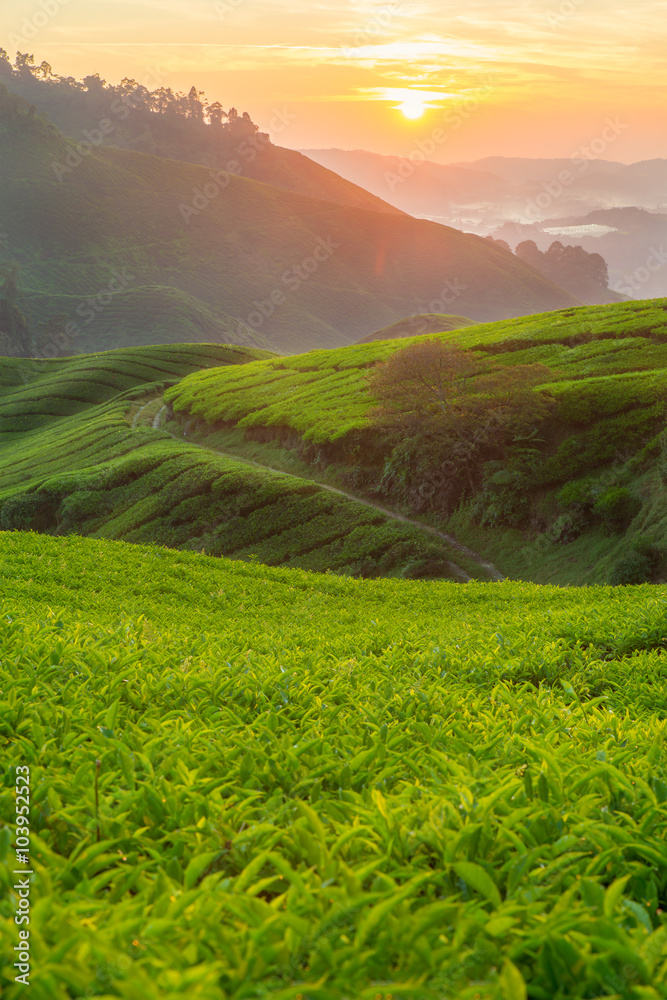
446 410
582 273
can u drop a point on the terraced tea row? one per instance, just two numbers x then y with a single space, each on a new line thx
71 462
322 396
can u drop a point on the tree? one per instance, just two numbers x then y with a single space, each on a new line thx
445 411
529 252
24 64
5 64
582 273
163 100
501 244
194 108
215 113
94 84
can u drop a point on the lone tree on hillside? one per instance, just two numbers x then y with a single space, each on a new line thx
446 411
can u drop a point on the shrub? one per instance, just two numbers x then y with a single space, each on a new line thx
632 568
506 507
647 547
82 506
579 495
616 508
28 511
565 529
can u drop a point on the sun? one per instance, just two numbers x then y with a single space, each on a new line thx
413 108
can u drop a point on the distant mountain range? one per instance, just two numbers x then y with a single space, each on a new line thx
609 208
487 192
140 249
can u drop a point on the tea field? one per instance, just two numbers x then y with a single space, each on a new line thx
252 782
613 357
75 459
608 381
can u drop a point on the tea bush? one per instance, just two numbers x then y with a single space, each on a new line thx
616 508
326 788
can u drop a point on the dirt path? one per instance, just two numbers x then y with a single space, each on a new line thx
463 549
138 413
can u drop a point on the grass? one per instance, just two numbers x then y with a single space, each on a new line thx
75 458
329 789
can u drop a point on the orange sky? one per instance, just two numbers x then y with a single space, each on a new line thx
529 78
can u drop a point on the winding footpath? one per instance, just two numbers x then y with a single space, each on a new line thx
451 541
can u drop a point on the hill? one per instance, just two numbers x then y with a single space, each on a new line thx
79 456
296 271
415 326
180 131
263 781
608 380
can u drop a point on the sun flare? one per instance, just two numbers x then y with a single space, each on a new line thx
413 108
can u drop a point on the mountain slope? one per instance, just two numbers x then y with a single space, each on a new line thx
297 271
419 187
478 196
77 112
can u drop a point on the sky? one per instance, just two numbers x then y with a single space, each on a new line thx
464 80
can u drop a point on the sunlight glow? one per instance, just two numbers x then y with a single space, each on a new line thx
413 108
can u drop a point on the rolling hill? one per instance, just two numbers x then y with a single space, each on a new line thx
274 268
77 111
415 326
79 456
608 382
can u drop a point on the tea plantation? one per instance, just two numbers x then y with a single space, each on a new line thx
252 782
73 461
604 439
607 354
